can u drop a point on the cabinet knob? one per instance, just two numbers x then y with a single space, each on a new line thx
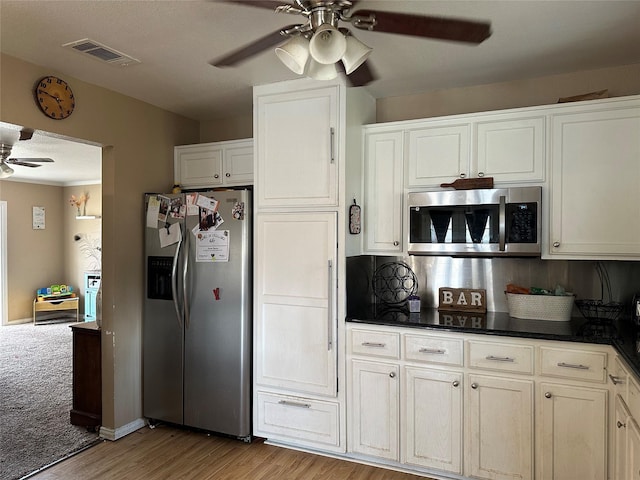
392 374
462 175
621 425
227 174
216 176
396 243
474 385
556 244
481 174
547 395
455 383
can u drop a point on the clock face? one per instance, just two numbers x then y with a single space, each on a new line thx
55 98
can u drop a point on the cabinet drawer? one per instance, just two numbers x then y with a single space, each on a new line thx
375 344
574 364
501 356
440 350
297 418
633 399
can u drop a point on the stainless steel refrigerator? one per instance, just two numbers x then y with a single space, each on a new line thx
197 310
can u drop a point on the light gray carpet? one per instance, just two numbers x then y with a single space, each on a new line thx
35 399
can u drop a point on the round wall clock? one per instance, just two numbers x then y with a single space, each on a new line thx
54 97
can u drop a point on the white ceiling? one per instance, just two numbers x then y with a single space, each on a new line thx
176 39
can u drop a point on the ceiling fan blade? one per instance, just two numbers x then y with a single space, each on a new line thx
22 161
453 29
25 164
26 133
254 48
361 76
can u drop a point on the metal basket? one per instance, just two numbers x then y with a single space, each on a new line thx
597 310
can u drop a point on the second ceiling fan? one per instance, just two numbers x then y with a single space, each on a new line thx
321 48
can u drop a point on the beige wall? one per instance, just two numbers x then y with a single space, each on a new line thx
36 258
137 141
620 81
77 262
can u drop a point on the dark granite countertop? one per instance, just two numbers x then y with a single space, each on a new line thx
622 334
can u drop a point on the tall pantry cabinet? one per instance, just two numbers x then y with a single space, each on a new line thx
307 156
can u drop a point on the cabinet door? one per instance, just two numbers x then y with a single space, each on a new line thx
238 164
297 148
198 165
438 154
510 150
383 193
595 175
499 412
570 446
633 451
295 311
433 423
374 409
620 456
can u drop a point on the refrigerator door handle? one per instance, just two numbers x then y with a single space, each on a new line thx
174 282
185 287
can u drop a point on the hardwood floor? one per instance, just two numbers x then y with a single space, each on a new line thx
167 453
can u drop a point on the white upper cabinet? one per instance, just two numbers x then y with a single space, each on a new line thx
383 192
510 147
595 173
216 164
297 148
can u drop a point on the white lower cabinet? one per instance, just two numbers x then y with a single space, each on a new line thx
572 431
472 407
633 450
433 441
499 432
374 423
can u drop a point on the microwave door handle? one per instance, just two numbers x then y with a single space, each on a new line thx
502 229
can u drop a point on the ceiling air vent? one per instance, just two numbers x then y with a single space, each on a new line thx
101 52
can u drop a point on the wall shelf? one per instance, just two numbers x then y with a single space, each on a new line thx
87 217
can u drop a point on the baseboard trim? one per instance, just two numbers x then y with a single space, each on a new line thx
111 434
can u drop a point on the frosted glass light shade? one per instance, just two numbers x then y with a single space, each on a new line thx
321 71
5 170
294 54
327 45
355 55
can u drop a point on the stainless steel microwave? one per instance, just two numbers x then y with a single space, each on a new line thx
483 222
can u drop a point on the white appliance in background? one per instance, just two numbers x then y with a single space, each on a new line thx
197 311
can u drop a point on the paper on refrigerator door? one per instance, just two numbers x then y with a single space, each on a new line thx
153 209
169 235
212 246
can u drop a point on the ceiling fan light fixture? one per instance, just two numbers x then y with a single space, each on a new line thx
321 71
294 54
327 45
355 55
5 170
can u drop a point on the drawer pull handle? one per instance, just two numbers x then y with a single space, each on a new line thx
500 359
572 365
288 403
616 380
433 351
374 344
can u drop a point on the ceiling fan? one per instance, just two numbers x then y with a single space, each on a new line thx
5 161
322 48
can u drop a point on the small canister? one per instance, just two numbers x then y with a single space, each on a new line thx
414 303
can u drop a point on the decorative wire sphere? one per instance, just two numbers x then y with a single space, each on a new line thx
394 282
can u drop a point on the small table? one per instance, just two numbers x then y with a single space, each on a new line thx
53 305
